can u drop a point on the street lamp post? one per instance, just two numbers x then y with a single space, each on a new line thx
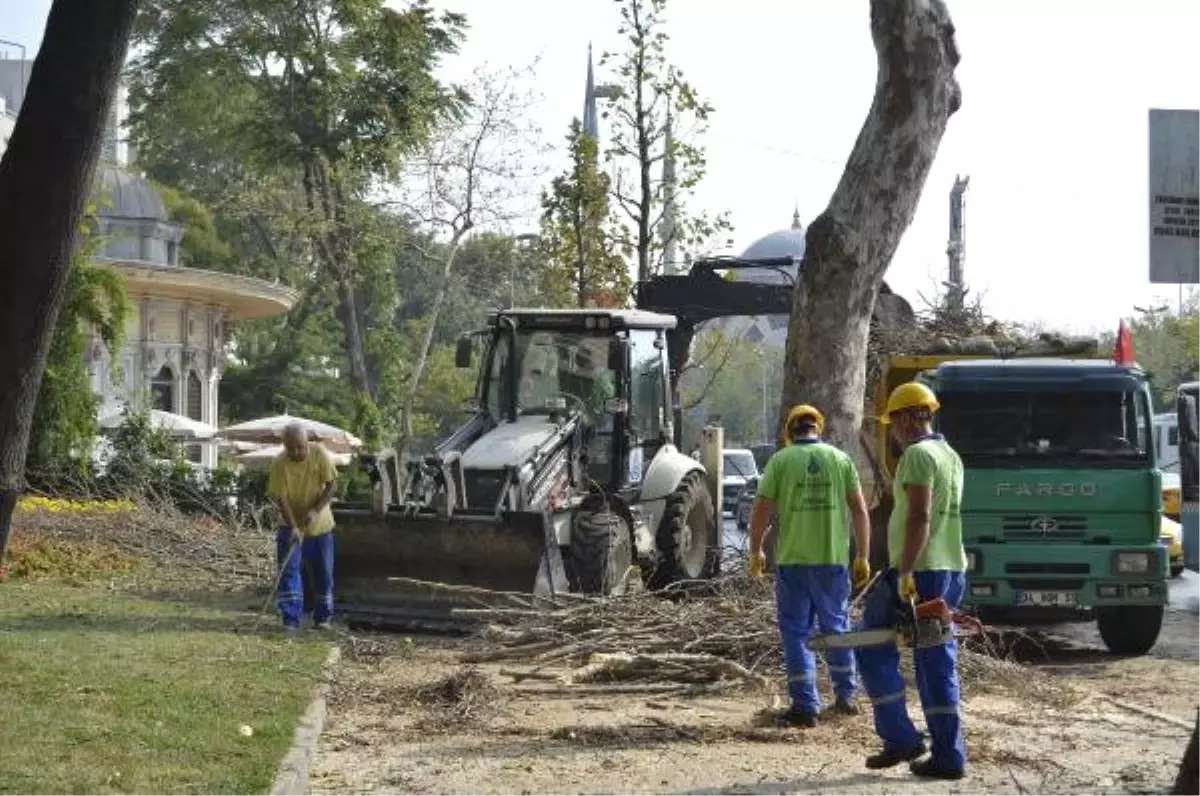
762 358
527 241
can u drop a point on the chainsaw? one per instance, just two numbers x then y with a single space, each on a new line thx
927 624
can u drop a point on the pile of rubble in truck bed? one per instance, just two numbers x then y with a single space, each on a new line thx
1044 345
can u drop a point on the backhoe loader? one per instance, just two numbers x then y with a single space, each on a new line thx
568 477
565 479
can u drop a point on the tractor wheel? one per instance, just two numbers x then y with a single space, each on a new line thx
689 536
1129 629
601 551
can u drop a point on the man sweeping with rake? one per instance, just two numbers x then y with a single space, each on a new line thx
302 479
813 486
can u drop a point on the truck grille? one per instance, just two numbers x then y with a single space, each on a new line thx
483 488
1044 526
1032 568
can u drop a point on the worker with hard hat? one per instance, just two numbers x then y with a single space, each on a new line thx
812 486
927 561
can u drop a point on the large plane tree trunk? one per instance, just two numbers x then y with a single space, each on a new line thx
45 181
1187 780
850 245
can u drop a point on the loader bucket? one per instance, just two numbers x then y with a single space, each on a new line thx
387 567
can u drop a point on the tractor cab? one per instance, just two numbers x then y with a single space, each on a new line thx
607 366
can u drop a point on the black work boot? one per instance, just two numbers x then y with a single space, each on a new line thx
795 717
887 759
926 768
845 707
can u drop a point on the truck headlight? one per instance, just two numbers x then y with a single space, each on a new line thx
972 561
1132 563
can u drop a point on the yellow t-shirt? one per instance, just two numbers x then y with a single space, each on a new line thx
299 484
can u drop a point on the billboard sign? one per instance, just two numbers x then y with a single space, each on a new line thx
1174 196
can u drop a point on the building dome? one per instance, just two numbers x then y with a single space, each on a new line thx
125 196
782 243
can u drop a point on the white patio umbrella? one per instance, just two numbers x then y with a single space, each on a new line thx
177 426
270 429
267 453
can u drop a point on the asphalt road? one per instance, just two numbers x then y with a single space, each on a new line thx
1185 593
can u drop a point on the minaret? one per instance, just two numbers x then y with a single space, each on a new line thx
667 228
796 218
591 121
956 249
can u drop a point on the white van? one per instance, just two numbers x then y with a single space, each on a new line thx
1166 441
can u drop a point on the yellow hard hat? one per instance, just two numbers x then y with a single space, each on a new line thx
797 412
910 395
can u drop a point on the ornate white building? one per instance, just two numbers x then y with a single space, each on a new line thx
179 318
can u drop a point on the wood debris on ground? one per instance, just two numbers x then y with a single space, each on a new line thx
697 638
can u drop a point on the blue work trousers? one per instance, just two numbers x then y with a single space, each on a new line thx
807 597
936 671
314 554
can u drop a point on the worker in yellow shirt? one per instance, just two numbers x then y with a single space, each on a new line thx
301 480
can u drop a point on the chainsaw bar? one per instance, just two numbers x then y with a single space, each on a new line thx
857 639
854 639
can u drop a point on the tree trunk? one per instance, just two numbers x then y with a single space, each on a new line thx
1188 778
349 314
850 245
418 372
45 181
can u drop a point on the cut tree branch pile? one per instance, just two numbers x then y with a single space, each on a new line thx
710 637
185 549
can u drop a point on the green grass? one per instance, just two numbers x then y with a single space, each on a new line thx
103 692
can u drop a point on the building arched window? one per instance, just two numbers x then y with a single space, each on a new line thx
162 389
195 397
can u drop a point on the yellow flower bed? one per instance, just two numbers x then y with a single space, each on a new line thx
64 506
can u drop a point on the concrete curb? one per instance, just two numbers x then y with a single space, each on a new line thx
292 777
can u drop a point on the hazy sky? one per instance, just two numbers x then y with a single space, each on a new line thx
1052 130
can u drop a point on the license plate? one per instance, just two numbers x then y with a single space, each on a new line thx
1055 598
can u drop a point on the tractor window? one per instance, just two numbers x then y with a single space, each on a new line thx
648 387
564 371
497 383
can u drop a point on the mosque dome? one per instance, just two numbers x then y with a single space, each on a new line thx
126 196
781 243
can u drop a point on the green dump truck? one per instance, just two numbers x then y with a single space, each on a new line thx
1062 498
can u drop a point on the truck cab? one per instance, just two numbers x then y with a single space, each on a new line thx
1062 496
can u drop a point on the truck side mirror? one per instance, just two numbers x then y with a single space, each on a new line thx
616 354
462 353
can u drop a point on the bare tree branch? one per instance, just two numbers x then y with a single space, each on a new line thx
474 172
713 372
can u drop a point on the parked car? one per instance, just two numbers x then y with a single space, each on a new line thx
739 468
1171 537
745 504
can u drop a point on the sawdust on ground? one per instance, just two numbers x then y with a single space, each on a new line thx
409 717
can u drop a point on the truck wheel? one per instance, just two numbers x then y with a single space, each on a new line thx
689 536
1130 629
601 551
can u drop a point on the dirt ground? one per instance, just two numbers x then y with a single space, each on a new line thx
1078 720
